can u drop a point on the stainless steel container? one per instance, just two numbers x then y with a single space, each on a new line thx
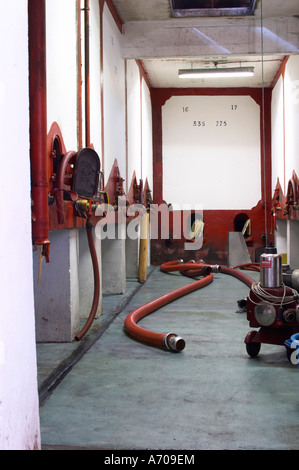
271 268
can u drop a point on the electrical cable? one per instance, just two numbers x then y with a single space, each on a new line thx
262 294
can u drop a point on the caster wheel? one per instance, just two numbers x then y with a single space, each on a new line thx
292 359
253 349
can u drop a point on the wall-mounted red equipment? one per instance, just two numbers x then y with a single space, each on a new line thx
286 206
292 197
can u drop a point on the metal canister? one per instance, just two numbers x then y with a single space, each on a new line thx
271 268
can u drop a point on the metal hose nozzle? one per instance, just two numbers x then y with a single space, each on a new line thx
174 342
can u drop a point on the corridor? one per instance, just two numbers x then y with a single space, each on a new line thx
212 396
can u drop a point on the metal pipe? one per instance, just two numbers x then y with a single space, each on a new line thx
79 75
38 122
168 341
142 268
96 294
87 74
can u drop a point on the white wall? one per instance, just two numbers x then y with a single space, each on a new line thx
19 418
147 136
285 144
125 94
292 146
139 126
61 69
277 131
95 79
285 135
292 115
114 96
133 121
211 150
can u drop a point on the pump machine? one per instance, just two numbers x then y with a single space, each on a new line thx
272 304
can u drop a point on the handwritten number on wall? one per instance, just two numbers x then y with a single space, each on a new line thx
220 123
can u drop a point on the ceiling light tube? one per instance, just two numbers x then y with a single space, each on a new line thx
217 72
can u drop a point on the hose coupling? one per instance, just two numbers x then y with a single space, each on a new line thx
174 343
207 270
82 204
289 315
216 268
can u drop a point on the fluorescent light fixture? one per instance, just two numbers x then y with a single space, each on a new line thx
217 72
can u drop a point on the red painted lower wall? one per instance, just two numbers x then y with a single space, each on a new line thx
215 238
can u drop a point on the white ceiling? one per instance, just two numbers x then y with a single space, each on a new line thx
164 44
163 73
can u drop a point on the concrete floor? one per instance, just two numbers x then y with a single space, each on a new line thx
122 394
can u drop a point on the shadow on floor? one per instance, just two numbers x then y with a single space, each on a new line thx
55 360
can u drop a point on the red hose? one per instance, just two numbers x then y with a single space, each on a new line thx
168 341
249 266
171 341
238 274
195 269
96 294
171 266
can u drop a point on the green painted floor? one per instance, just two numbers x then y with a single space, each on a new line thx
121 394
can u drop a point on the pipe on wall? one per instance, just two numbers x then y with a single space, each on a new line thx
38 123
79 75
87 73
